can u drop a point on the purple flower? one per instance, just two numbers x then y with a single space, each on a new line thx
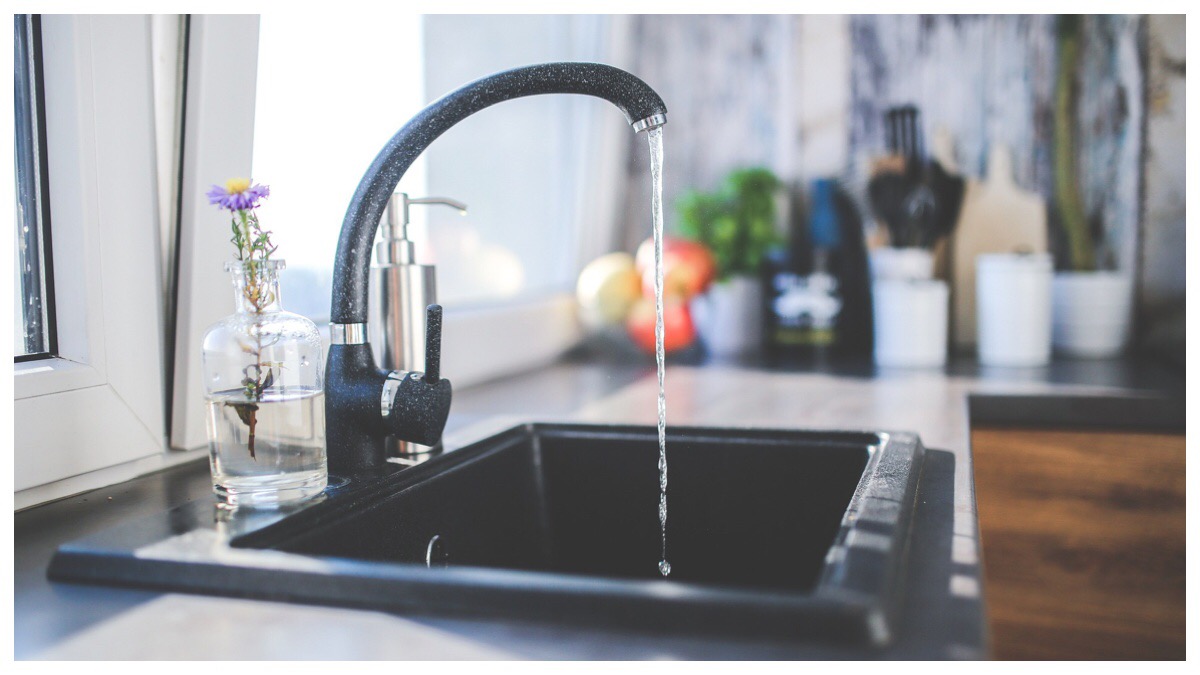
238 194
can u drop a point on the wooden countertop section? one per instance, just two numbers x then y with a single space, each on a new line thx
1084 542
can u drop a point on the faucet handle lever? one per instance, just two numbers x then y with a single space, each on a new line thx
433 343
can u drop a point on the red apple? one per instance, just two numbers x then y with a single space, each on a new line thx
678 330
688 267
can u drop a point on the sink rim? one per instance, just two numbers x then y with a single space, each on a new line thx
857 592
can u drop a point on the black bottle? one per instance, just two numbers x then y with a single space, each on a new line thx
815 290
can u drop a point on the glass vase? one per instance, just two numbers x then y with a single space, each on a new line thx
264 390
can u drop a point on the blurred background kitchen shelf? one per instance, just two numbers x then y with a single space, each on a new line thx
814 98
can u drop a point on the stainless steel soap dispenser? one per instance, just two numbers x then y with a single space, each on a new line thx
400 291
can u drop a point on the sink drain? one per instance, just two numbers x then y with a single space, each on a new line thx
435 553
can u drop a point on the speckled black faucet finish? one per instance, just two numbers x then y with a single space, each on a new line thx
352 265
355 423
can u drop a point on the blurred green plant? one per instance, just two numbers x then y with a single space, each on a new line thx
1080 247
736 223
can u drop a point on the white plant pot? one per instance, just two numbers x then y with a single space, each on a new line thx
1092 313
729 316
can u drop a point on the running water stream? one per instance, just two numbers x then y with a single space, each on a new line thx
656 160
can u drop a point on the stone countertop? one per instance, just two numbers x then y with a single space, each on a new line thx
54 620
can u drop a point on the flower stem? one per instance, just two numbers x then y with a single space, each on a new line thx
250 239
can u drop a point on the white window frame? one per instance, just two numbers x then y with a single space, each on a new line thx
94 414
218 143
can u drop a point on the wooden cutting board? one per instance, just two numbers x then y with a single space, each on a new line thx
997 216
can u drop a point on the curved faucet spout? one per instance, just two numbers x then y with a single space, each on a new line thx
642 107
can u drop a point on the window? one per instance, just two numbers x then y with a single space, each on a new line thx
534 170
136 280
540 175
34 303
323 108
537 173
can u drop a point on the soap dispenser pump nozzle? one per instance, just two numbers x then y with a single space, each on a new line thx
396 247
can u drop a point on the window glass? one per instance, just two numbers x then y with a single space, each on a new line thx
326 106
517 165
33 326
331 90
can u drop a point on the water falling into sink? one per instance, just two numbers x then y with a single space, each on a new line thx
656 159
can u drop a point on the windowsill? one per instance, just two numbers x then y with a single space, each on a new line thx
51 376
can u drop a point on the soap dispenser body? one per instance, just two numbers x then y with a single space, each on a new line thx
399 294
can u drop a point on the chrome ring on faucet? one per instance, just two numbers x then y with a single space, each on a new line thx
652 122
348 333
390 385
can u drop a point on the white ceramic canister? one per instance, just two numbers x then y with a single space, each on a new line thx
1092 312
911 322
1012 299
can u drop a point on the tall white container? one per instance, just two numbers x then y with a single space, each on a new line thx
911 322
1013 292
910 309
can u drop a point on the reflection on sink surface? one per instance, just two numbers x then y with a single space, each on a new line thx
756 513
802 534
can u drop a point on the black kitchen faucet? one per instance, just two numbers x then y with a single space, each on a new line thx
364 404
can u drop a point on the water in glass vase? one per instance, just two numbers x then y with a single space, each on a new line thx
270 451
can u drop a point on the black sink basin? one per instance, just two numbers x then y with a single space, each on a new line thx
799 533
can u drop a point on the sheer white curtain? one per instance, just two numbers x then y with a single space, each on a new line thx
540 174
